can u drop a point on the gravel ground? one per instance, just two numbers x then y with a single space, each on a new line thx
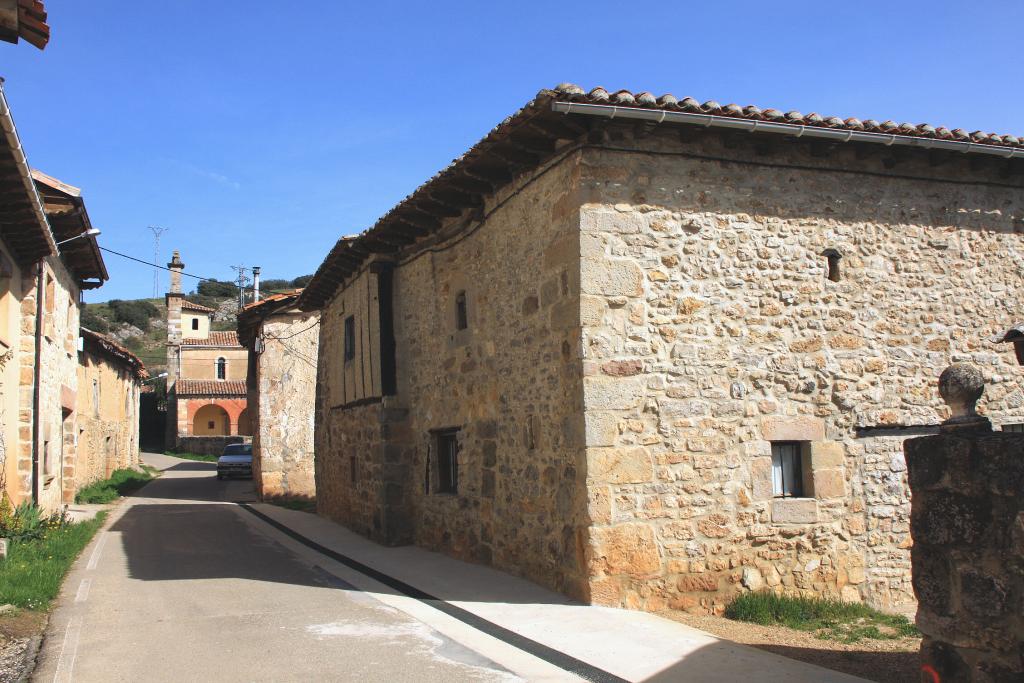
17 629
12 659
884 661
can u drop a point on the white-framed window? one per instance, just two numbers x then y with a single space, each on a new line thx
222 368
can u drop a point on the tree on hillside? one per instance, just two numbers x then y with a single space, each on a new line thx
94 321
136 312
217 289
302 281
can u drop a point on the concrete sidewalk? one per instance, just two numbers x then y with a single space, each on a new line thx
634 646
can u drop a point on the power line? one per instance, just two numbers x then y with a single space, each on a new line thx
197 277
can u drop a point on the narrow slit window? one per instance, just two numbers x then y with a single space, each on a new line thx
350 338
832 258
222 368
448 461
461 315
787 470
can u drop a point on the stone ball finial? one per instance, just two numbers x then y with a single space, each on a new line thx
961 385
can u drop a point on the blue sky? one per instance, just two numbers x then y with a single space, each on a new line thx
259 134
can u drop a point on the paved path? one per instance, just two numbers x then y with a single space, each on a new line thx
186 585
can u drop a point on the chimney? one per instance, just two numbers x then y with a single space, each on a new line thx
176 266
255 284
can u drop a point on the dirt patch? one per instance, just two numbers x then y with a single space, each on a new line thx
884 661
17 629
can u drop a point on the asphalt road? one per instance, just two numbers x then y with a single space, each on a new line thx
185 586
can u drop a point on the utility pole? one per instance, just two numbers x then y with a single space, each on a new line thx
157 231
242 281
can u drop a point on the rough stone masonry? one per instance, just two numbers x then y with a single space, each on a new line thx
968 526
628 339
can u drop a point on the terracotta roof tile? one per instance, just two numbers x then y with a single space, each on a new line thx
94 341
529 137
210 387
229 338
187 305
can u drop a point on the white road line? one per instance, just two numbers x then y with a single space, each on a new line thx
68 651
96 552
83 590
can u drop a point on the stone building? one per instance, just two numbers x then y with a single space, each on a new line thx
48 255
652 352
110 381
206 373
282 343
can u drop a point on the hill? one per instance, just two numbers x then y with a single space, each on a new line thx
141 324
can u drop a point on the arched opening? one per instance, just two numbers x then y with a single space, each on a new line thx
211 420
222 368
244 423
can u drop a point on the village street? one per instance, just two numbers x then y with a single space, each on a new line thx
186 585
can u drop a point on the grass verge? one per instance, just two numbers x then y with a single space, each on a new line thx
300 504
845 622
121 483
31 575
192 456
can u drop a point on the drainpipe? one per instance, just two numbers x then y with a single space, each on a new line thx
36 381
796 130
255 284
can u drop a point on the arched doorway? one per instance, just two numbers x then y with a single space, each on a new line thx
244 423
211 420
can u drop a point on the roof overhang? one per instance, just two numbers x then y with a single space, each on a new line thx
24 20
562 119
23 222
69 220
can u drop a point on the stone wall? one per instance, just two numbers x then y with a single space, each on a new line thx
282 406
509 383
207 445
711 328
968 528
58 365
107 419
11 369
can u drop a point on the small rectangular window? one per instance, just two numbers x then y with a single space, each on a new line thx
461 312
350 338
1016 427
447 461
352 468
787 469
195 323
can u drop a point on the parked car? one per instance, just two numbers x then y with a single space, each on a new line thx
235 461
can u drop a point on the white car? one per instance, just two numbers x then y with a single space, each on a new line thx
235 461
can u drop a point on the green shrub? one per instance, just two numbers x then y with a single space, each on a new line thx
31 575
136 312
92 320
830 619
217 289
302 281
121 483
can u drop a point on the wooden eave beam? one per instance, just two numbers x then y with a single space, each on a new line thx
556 128
514 155
471 185
459 201
414 216
493 174
435 208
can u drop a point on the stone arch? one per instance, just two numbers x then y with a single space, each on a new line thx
244 423
211 420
